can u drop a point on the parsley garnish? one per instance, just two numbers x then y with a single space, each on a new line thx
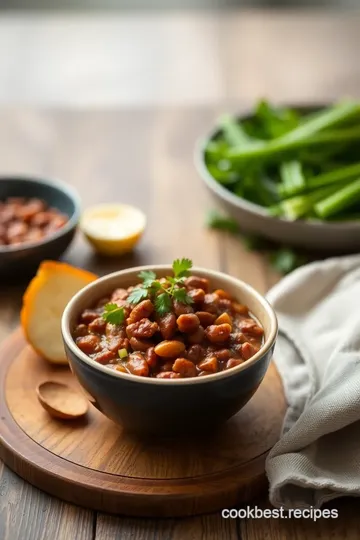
181 267
113 314
138 294
162 293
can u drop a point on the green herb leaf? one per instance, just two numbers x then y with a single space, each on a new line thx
148 276
138 294
113 314
286 260
214 220
181 296
163 303
181 267
156 285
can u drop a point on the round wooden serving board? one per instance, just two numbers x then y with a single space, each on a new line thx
94 463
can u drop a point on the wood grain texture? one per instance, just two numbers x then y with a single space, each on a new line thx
208 527
191 58
28 513
96 464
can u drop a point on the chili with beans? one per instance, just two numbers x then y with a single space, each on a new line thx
211 333
27 220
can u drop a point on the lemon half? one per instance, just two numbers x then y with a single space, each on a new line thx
113 229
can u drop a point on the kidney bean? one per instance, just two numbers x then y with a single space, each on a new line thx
57 222
218 333
168 375
142 329
115 330
209 364
41 219
30 209
7 214
197 336
167 366
169 349
119 294
81 330
205 318
197 295
140 344
141 311
239 308
188 323
151 357
223 295
222 354
104 357
181 309
34 234
233 362
184 367
17 230
238 337
88 344
224 304
211 303
89 315
137 364
195 353
195 282
167 324
15 201
223 318
116 343
248 326
97 325
247 351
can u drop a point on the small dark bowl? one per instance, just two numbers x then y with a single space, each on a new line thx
316 235
148 405
24 259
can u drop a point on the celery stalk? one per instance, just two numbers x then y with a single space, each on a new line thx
339 200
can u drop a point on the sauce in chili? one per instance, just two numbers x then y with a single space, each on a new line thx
213 333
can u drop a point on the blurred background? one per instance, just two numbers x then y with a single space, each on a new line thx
101 53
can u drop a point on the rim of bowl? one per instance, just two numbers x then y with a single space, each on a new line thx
66 333
256 209
69 191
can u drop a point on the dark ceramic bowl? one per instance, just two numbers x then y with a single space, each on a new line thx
334 237
24 259
164 405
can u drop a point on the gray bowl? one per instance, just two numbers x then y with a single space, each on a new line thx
24 259
148 405
310 234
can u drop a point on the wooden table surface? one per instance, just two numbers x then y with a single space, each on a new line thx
144 156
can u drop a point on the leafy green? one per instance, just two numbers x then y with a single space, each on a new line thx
162 292
148 277
181 267
113 314
214 220
285 260
137 295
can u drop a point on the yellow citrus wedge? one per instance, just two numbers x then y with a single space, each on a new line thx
44 302
113 229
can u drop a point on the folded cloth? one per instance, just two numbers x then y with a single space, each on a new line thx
318 357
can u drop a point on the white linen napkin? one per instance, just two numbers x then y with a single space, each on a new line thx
318 357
